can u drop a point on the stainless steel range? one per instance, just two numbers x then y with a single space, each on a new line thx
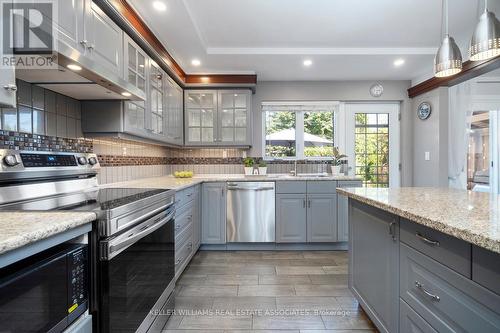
132 245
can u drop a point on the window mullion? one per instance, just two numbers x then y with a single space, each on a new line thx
299 135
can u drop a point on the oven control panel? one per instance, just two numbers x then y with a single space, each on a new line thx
33 160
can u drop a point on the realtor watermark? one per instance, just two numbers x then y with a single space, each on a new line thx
28 34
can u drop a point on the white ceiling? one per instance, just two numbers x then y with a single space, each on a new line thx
345 39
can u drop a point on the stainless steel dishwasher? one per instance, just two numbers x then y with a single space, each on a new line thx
250 212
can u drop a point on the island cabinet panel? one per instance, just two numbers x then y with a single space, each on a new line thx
213 223
374 263
343 209
411 322
448 301
486 268
321 218
291 215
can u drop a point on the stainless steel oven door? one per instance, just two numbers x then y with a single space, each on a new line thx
136 274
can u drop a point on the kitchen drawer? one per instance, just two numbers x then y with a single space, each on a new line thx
448 301
411 322
448 250
182 221
182 237
486 268
322 186
183 254
291 186
180 210
182 197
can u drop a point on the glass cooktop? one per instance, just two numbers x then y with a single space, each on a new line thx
97 199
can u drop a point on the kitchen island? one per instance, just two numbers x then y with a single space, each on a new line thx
425 259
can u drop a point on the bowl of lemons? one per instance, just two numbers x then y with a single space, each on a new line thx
183 174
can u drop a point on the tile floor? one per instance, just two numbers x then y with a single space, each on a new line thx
267 291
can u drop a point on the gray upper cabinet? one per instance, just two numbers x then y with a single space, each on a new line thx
174 115
70 25
234 109
104 41
291 215
156 100
218 117
201 117
374 263
8 87
213 223
321 218
135 64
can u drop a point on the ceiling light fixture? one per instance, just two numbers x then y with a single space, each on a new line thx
74 67
126 94
485 42
195 62
308 62
160 6
399 62
448 60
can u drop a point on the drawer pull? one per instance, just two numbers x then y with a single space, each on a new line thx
421 287
426 240
178 261
177 227
190 194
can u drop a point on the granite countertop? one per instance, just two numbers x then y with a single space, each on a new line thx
178 184
471 216
18 229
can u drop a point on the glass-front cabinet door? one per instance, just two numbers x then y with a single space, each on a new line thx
201 117
136 64
174 114
234 120
157 99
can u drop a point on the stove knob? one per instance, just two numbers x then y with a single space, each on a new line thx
82 160
92 161
10 160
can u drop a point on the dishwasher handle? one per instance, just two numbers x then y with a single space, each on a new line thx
236 188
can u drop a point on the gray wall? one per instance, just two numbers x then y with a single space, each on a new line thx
431 136
338 91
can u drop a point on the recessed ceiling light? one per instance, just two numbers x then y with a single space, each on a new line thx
308 62
74 67
399 62
160 6
195 62
126 94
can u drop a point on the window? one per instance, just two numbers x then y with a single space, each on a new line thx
303 130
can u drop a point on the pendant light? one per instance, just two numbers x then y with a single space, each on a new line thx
448 60
485 42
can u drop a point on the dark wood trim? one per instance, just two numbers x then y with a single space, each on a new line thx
124 9
220 79
470 69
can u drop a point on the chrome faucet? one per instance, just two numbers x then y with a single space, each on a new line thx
294 171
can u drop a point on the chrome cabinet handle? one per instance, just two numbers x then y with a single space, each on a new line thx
178 261
190 194
10 86
309 203
84 42
190 217
420 286
91 47
392 231
304 203
177 226
426 240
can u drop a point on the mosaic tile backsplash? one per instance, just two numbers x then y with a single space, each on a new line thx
27 141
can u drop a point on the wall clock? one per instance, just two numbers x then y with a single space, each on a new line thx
376 90
424 110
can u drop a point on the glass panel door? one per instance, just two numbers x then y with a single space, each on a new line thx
372 143
201 116
233 117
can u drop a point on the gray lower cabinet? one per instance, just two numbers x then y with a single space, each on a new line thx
214 213
411 322
291 218
374 264
321 218
343 209
8 87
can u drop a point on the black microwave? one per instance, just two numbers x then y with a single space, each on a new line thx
46 292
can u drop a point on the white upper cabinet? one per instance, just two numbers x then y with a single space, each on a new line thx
174 114
218 117
70 25
156 98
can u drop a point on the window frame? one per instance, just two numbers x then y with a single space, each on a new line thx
299 127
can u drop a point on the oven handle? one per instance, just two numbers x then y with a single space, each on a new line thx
143 230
